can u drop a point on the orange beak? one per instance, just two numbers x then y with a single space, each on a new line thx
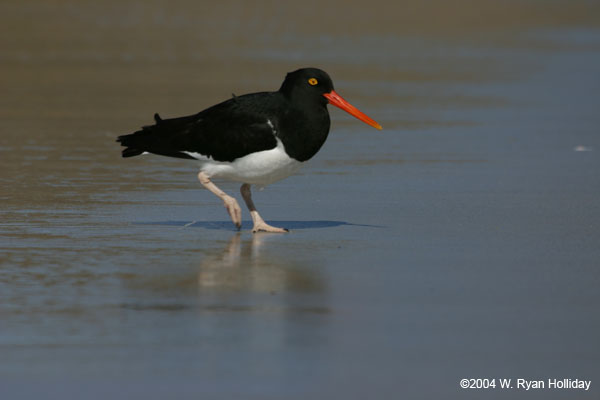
338 101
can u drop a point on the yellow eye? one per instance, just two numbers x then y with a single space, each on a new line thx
313 81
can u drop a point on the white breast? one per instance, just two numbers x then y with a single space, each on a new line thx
260 168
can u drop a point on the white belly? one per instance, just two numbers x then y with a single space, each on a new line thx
261 168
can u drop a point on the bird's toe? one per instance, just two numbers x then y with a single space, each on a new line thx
263 227
234 211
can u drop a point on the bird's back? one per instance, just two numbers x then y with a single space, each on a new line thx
224 132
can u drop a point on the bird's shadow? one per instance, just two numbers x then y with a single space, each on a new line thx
228 225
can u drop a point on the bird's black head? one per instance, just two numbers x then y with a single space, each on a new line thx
307 83
313 86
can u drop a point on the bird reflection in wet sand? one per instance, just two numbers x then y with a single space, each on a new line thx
244 266
245 275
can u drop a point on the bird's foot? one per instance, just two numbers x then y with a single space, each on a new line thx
262 226
234 210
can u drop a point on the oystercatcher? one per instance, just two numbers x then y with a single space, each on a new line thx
257 138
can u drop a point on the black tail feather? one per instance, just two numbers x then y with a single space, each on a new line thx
129 152
157 138
133 143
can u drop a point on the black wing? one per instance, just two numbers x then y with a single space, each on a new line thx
223 132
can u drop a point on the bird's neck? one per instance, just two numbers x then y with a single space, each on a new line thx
304 130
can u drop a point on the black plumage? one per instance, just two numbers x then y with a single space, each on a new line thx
295 114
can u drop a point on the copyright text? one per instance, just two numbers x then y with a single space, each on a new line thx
525 384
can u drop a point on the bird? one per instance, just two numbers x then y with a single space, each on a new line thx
253 139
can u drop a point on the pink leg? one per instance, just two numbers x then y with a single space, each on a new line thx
259 224
231 204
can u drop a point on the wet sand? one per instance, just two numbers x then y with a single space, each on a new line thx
459 242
